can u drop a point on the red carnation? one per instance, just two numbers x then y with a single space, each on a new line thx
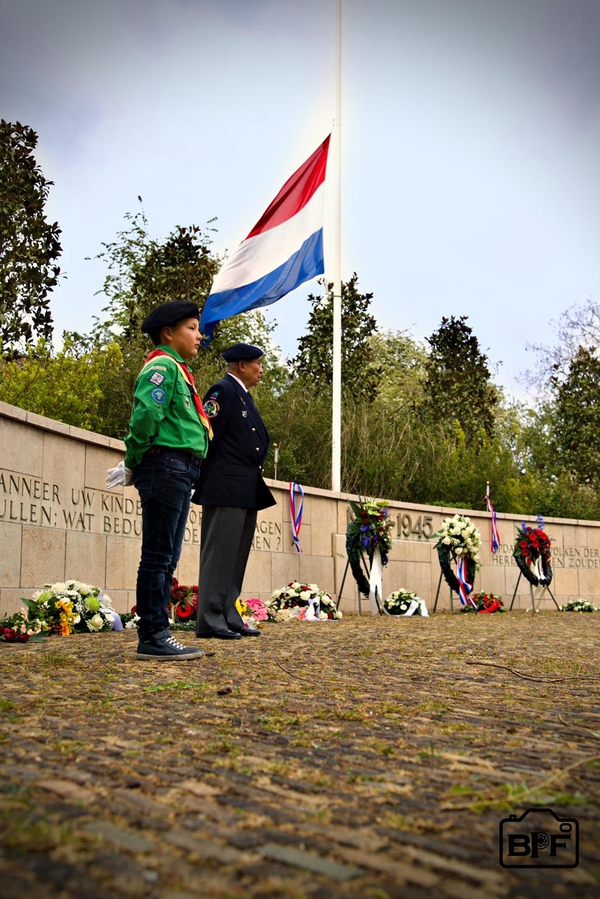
9 635
184 612
23 638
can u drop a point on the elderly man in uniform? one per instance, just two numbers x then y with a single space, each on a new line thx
231 490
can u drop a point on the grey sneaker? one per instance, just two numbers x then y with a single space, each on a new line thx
162 647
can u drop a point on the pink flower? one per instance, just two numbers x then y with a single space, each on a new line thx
258 608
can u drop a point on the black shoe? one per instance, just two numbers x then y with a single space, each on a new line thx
247 631
223 634
162 647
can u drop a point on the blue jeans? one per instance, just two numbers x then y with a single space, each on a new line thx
164 481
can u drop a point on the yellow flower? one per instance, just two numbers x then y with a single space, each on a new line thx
241 607
65 605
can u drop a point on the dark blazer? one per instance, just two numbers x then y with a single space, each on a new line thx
231 474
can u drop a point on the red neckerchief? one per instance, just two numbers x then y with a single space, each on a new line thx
189 379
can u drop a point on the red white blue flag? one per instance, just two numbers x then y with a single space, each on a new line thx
495 538
281 252
296 511
464 587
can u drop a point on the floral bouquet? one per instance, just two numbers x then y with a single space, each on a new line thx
459 541
532 553
579 605
69 607
484 602
19 628
302 601
184 603
405 602
371 527
254 611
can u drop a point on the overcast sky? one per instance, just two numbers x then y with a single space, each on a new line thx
470 143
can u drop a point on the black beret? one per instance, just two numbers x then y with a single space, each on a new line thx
240 352
169 314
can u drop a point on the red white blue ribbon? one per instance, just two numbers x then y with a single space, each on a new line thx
495 541
296 509
464 587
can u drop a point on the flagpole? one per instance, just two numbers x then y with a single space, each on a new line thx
336 424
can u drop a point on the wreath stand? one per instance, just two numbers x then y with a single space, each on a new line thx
541 596
439 586
367 570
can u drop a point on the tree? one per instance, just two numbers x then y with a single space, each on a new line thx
144 272
314 361
578 326
401 360
577 416
29 245
75 384
458 385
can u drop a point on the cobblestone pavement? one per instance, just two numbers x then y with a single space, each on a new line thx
360 758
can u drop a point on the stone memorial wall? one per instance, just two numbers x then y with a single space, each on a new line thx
58 521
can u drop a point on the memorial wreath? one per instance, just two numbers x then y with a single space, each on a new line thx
533 553
371 528
458 542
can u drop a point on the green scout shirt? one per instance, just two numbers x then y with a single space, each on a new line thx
163 412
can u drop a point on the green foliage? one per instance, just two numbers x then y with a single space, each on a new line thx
71 385
400 360
577 416
314 362
458 384
420 424
144 272
29 245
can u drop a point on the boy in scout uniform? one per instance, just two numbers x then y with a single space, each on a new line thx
168 436
231 490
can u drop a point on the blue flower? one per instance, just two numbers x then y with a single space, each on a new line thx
365 541
364 528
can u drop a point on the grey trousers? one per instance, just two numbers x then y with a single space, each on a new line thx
227 534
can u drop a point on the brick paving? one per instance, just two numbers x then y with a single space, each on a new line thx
362 758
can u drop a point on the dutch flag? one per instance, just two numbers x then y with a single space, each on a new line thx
282 251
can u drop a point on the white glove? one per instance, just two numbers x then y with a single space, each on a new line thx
119 475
